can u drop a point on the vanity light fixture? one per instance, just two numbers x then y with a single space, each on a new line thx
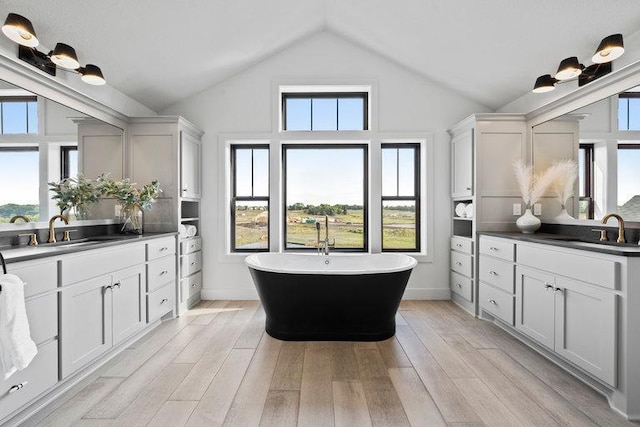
20 30
610 48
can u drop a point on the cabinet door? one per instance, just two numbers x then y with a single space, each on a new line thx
462 164
586 328
85 326
129 311
189 166
535 305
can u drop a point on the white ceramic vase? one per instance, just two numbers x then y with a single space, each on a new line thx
563 215
528 223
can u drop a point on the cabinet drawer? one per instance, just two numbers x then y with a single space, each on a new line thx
190 245
462 263
461 244
190 264
578 265
496 302
99 262
497 273
161 272
498 248
37 276
42 313
160 248
195 284
160 302
37 378
462 286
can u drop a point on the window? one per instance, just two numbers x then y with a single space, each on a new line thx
68 162
249 198
629 111
19 115
585 173
325 182
629 181
325 111
401 197
21 169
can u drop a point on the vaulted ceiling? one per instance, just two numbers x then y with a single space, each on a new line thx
162 51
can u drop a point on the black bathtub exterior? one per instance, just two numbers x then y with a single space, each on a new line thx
330 307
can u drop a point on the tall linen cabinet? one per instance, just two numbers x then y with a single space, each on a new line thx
483 191
168 148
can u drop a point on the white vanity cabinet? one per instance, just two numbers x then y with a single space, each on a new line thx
41 302
566 300
161 277
101 303
190 166
462 164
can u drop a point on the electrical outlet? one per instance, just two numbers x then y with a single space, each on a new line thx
117 211
517 209
537 209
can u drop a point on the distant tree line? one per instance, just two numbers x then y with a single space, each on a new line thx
324 209
11 209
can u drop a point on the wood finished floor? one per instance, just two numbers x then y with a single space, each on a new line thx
216 366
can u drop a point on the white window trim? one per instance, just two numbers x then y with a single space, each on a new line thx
275 142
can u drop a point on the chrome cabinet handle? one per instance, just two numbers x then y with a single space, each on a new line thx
104 288
547 286
18 387
493 273
459 245
492 301
192 246
557 290
164 248
458 263
468 188
185 189
493 248
163 301
163 272
194 263
116 285
458 285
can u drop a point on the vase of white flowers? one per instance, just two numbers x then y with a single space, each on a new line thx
565 173
132 201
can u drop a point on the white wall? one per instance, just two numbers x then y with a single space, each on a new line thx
245 103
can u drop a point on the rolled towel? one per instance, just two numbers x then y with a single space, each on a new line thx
17 349
191 230
182 231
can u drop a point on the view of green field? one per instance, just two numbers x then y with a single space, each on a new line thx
9 210
346 229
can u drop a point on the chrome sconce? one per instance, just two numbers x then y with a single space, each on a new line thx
20 30
609 49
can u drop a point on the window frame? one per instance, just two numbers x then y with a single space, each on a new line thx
365 189
11 99
234 198
326 95
588 178
65 161
416 198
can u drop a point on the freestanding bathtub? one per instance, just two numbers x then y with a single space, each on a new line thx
336 297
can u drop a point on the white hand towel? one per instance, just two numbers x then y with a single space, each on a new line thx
17 349
182 230
191 230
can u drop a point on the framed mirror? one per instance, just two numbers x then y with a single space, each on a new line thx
603 137
43 141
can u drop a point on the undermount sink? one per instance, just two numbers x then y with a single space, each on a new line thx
607 245
49 248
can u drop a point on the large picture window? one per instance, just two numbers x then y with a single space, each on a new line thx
401 197
325 184
341 111
20 171
249 198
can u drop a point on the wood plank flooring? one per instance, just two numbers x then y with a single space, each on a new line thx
215 366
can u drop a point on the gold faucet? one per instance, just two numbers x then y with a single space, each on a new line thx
52 231
17 217
620 225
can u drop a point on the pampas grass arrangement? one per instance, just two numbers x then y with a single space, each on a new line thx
566 173
532 186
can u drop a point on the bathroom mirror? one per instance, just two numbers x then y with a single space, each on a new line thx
604 139
43 141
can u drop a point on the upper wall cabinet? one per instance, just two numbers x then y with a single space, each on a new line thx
167 149
190 174
462 164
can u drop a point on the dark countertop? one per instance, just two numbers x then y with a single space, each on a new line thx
26 253
572 242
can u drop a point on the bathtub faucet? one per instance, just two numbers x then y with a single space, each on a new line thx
324 245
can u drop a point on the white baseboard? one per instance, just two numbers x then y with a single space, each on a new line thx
252 294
